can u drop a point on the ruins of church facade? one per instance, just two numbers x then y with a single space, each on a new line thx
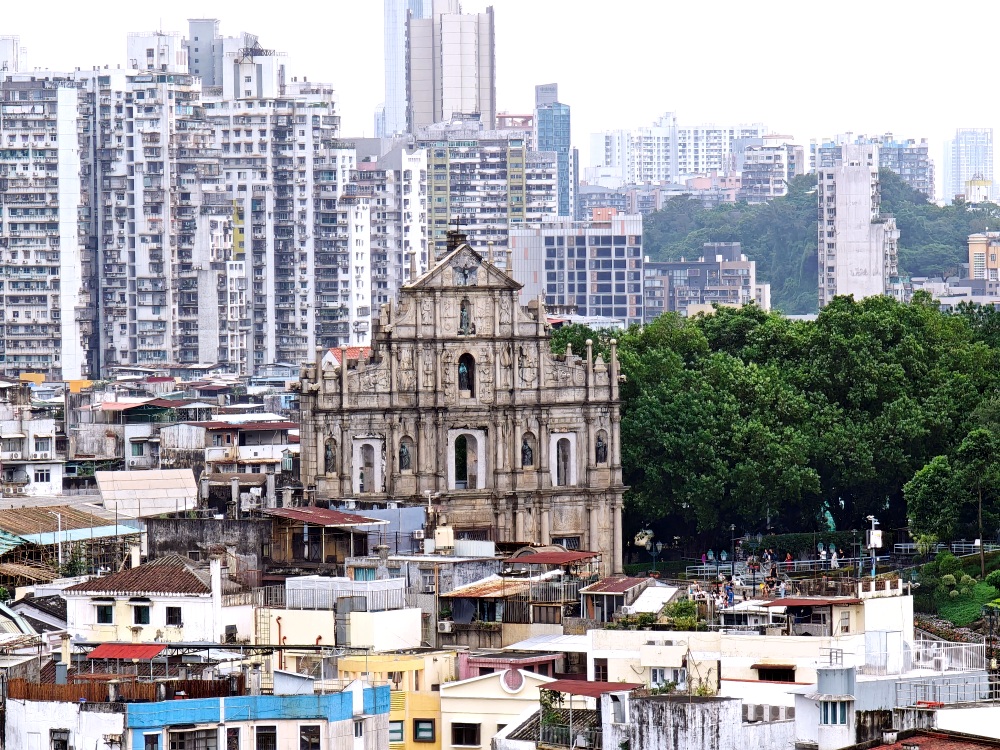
463 403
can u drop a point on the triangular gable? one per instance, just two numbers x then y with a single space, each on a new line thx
463 267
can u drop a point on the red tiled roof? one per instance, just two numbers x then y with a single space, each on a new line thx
614 585
144 651
353 352
587 688
323 516
553 558
165 575
818 601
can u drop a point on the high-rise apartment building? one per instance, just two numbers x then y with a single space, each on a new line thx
13 57
552 128
390 118
207 50
969 165
450 66
594 266
908 158
487 181
396 182
668 151
766 168
857 245
722 276
46 261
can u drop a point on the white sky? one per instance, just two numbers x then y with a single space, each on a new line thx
803 68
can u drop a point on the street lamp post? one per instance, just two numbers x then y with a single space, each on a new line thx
732 544
874 541
58 535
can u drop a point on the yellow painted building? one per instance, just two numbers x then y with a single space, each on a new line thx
984 256
415 677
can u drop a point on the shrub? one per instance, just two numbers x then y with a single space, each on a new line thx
954 593
948 563
993 579
967 582
948 580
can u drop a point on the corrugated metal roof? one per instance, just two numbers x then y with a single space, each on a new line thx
324 517
144 651
614 585
38 519
587 688
492 587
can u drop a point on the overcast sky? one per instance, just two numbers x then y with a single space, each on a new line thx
803 68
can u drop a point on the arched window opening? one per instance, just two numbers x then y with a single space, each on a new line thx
466 462
366 482
467 375
562 462
601 448
528 450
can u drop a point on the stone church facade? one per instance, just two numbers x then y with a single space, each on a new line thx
463 403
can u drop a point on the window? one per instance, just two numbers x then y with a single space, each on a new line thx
359 732
43 475
776 674
466 735
151 742
43 444
845 622
174 616
395 731
423 730
216 440
232 738
138 449
199 739
569 542
551 615
140 615
833 712
600 670
309 737
59 739
562 462
105 614
267 738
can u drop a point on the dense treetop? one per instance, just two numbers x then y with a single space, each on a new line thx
781 235
744 417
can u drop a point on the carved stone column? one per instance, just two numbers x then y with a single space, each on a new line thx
616 537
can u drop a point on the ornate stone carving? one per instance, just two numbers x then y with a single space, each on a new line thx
465 271
505 318
405 374
527 366
426 312
428 367
505 366
484 371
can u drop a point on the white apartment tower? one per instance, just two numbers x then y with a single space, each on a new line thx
667 151
13 57
450 66
392 117
857 245
46 317
397 185
969 165
487 181
308 238
172 284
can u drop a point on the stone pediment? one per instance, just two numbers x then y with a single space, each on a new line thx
464 268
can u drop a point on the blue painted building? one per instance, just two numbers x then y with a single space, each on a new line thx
356 718
552 126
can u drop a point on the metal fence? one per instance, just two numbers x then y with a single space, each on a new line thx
277 597
560 735
942 690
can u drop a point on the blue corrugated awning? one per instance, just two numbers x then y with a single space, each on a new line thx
49 538
9 541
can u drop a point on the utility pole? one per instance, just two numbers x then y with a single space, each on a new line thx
58 536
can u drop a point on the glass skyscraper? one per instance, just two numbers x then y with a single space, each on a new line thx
552 125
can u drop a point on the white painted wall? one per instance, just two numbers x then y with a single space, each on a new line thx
982 721
384 631
29 724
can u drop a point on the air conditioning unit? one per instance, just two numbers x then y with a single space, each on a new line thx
133 462
20 490
445 626
418 534
15 455
43 455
